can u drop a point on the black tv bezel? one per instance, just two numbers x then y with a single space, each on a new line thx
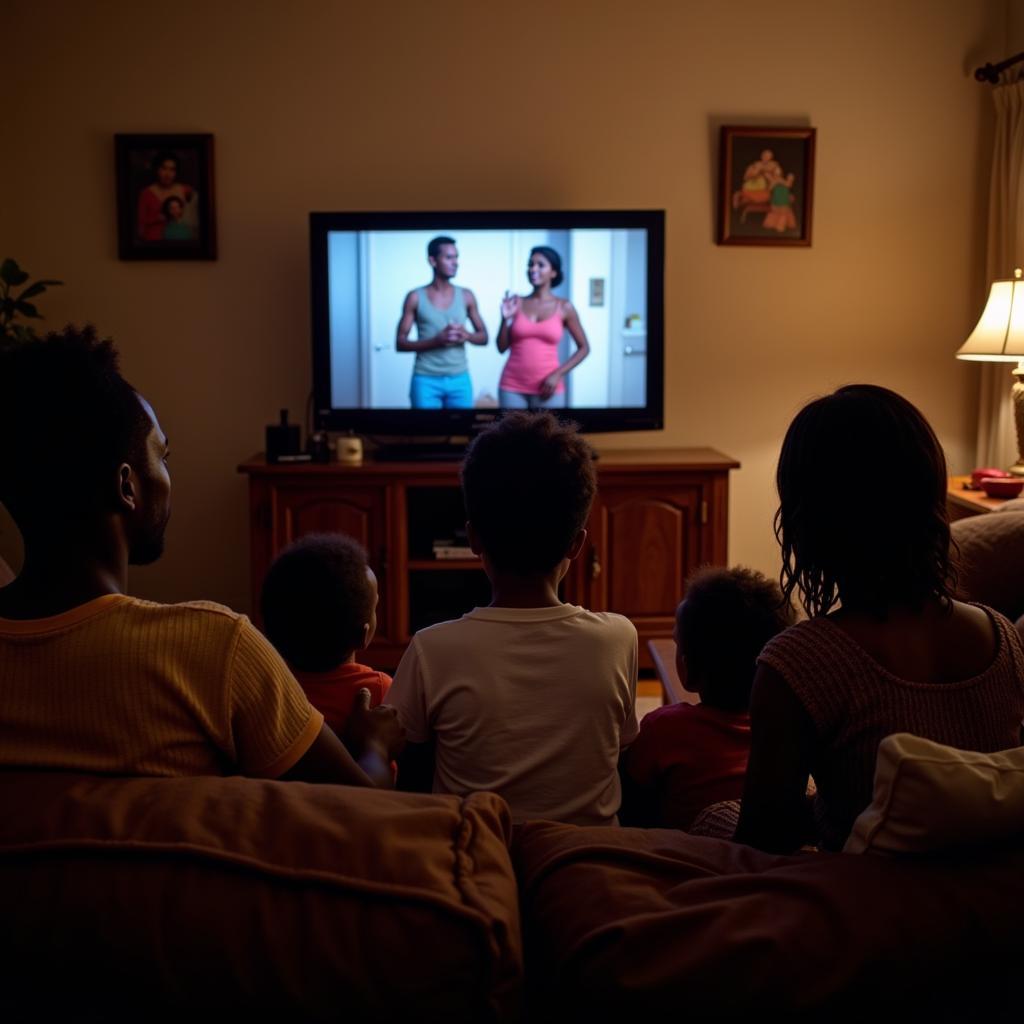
459 422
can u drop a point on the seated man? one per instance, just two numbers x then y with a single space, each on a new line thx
93 680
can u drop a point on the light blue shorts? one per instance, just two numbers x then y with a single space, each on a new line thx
455 392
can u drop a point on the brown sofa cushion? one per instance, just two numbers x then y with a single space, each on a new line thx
992 559
245 899
620 924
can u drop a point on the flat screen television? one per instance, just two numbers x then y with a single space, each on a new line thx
365 266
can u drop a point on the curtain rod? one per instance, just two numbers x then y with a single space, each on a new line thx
990 72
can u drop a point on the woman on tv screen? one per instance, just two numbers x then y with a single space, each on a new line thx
532 327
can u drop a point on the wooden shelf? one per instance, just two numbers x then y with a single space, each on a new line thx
659 513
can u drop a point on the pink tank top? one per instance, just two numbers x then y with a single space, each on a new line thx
533 355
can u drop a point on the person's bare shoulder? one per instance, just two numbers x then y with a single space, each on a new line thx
944 645
973 624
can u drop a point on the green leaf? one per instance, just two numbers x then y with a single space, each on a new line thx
23 333
10 271
32 291
37 289
27 309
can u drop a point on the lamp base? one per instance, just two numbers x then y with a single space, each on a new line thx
1017 469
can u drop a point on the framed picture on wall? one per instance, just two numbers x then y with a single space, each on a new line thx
766 186
165 205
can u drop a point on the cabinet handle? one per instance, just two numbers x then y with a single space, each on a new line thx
595 564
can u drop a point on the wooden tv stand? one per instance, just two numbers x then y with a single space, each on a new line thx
658 515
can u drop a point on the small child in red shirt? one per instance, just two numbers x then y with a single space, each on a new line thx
689 756
319 606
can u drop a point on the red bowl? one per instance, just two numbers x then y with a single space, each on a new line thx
979 474
1001 486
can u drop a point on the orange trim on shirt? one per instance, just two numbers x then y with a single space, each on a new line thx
295 752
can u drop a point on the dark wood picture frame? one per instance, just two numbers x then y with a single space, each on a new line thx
766 186
165 203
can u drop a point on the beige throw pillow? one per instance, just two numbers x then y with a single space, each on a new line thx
931 797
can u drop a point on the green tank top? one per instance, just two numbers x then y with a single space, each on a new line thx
431 321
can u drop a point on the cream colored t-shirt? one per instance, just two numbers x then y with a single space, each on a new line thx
129 687
531 703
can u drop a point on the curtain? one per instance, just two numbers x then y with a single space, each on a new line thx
997 440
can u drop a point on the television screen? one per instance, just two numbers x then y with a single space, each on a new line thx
426 323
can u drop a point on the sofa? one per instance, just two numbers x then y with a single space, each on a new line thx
241 899
917 919
989 556
231 899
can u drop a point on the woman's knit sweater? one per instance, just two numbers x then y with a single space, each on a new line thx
854 703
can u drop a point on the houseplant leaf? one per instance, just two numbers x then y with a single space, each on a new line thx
11 273
36 289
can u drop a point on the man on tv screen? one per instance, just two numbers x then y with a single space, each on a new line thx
440 375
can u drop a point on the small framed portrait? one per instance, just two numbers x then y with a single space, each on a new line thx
165 207
766 186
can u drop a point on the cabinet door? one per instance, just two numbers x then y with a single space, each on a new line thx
361 512
643 545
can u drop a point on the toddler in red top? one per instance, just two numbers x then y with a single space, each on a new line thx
689 756
319 606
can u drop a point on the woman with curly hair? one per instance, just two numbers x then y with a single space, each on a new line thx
887 648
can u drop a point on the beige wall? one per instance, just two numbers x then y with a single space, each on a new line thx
319 105
1014 27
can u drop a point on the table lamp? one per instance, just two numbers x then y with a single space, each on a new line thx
999 338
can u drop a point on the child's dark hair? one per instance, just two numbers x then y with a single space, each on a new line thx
316 598
727 617
528 482
862 513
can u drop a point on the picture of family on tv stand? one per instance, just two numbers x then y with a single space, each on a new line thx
466 340
531 329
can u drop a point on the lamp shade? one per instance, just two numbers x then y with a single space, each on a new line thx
999 334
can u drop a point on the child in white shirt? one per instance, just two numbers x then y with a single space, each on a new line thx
529 697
